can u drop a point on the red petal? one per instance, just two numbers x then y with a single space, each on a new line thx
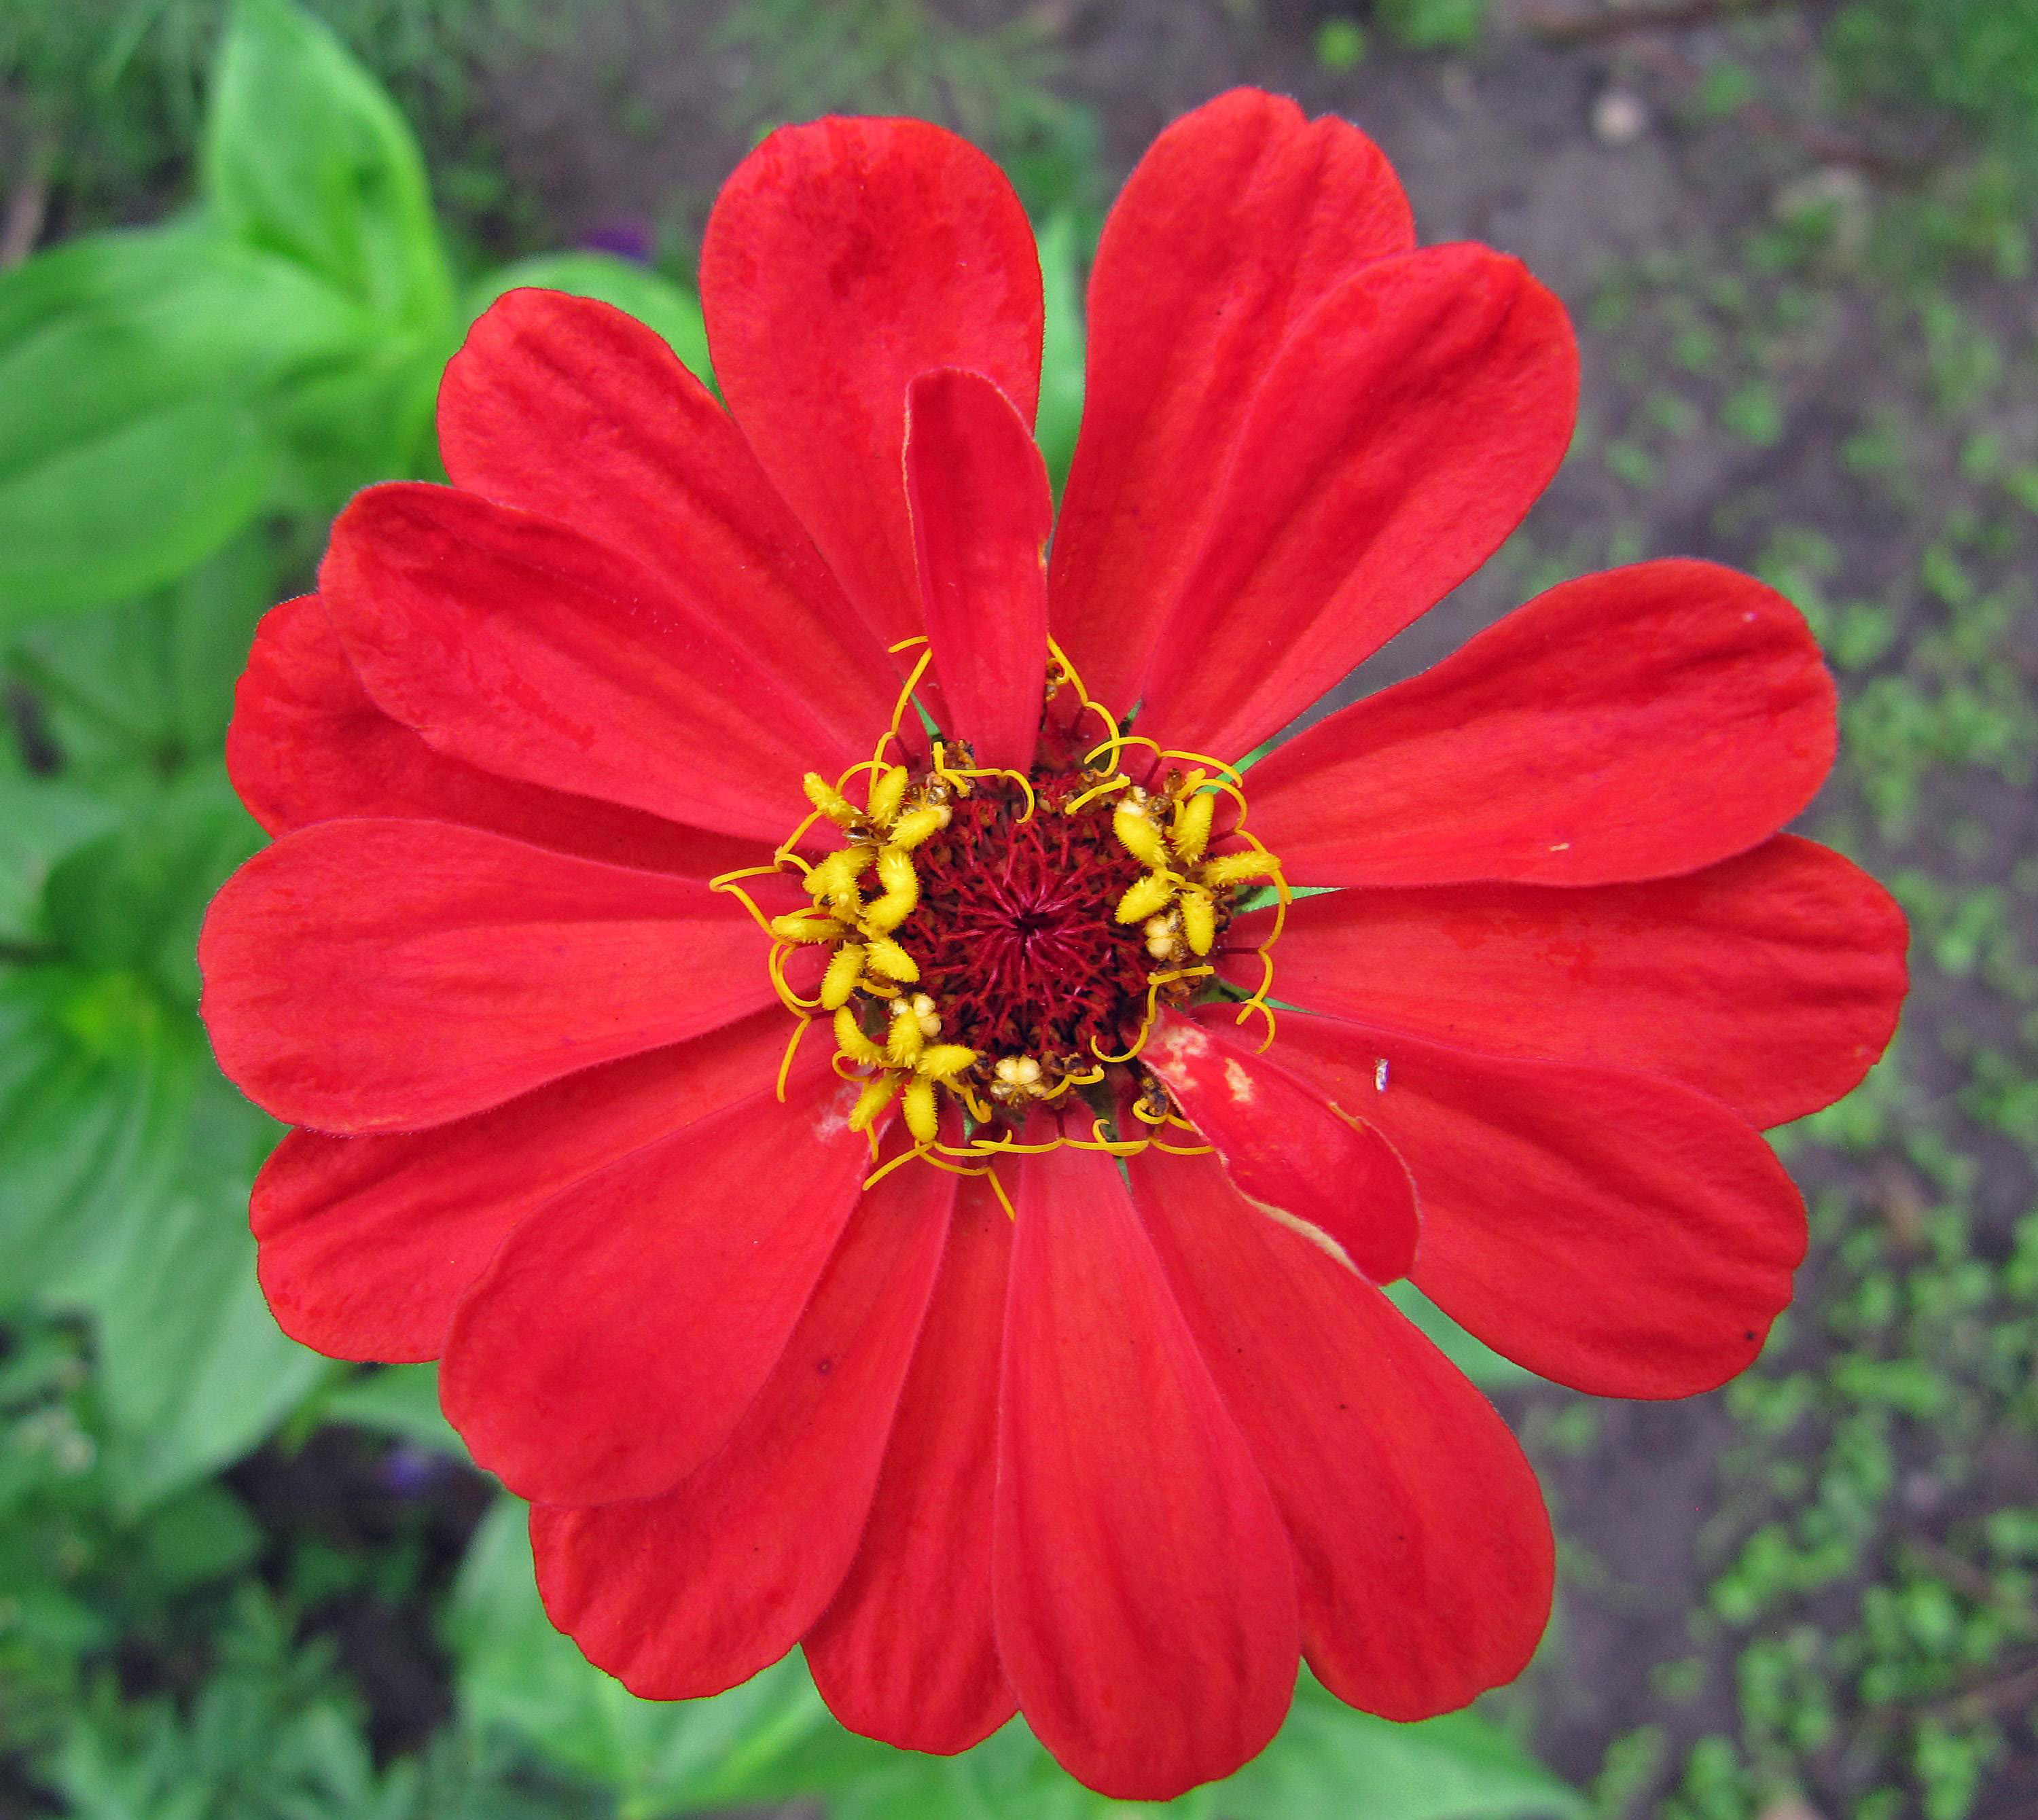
1286 1149
982 513
568 408
370 975
843 259
1630 725
1771 981
1144 1585
906 1653
1616 1232
368 1242
690 1592
307 745
1239 218
623 1329
1407 424
519 646
1423 1550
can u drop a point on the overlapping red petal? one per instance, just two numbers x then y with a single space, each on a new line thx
1377 468
307 744
618 1335
692 1591
982 513
1771 981
384 976
879 250
1241 217
367 1243
516 644
1143 1581
657 468
1286 1149
1423 1553
1631 725
1614 1231
907 1652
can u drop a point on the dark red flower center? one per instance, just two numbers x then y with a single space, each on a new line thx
998 944
1015 933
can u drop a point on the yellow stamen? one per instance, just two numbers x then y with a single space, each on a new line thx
830 801
806 925
1145 896
891 960
923 1117
887 790
1198 919
849 1038
845 968
877 1095
901 892
1236 868
904 1044
921 824
835 878
1136 832
941 1061
1190 834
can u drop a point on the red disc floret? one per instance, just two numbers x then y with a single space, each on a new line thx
1015 935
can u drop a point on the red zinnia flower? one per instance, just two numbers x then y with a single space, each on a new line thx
1020 1423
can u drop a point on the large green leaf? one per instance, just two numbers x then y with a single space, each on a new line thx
129 510
1329 1760
773 1740
106 332
306 155
131 901
655 301
194 1370
41 819
132 444
127 1160
96 1084
140 690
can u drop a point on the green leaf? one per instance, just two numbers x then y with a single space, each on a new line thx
655 301
772 1740
105 331
1478 1361
1328 1758
41 819
147 686
517 1675
1062 350
401 1400
95 1082
194 1370
132 445
131 901
205 1534
304 155
130 509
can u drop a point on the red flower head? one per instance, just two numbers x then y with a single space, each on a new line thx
1017 1341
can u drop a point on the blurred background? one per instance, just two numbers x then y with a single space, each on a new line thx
237 242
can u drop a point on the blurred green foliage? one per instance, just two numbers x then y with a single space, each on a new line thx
1976 60
186 404
1433 24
